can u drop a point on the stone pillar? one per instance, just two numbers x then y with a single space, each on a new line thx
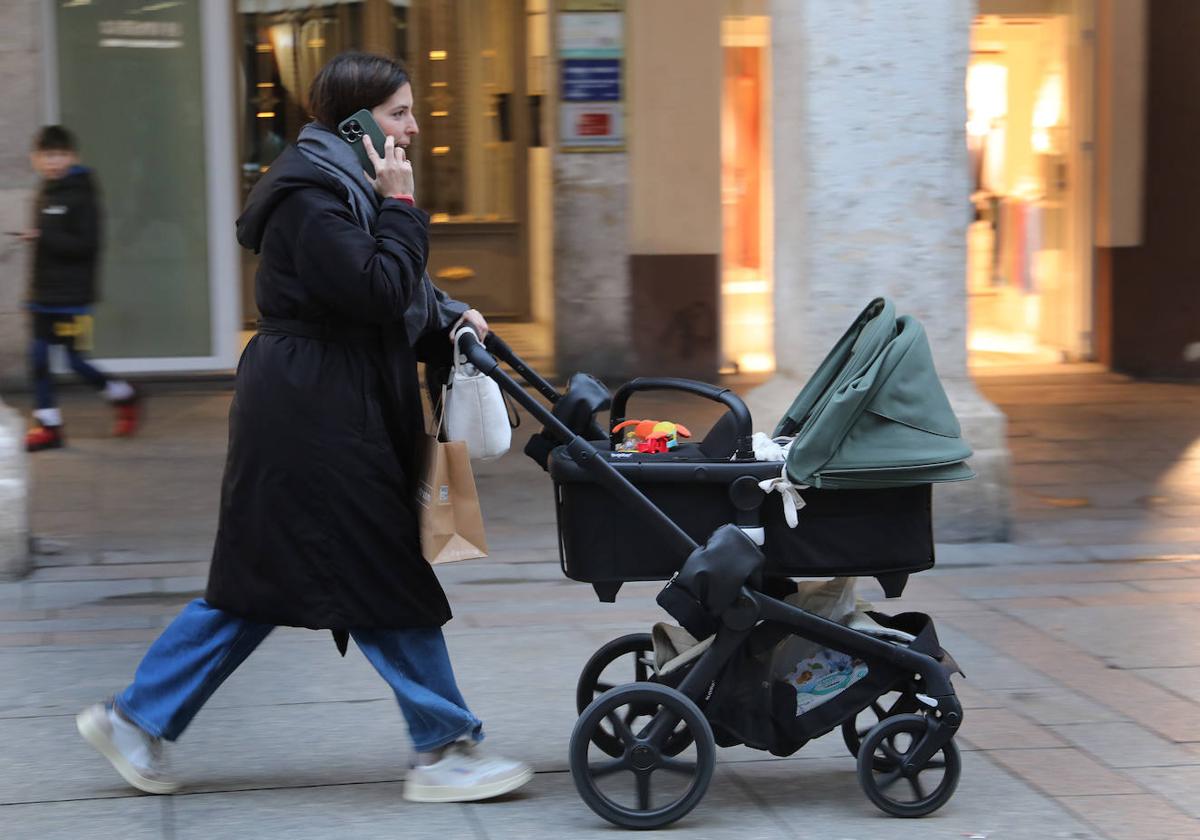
591 263
14 512
871 198
21 40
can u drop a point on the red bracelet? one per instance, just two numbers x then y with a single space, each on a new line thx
407 199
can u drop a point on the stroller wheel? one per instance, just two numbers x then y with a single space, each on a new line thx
644 786
900 793
621 661
881 708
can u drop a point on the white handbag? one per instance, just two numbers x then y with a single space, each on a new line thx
475 409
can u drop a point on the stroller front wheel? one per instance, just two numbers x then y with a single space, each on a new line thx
646 785
895 790
881 708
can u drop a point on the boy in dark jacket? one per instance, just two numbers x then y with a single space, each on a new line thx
66 241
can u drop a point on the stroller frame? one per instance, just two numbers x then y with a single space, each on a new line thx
923 678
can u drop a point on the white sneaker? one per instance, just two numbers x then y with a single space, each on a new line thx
463 775
135 755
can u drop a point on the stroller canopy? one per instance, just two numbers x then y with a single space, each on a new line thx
874 414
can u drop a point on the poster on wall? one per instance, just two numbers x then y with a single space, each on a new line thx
597 126
591 52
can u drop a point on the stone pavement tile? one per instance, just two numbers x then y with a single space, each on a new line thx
822 799
1126 744
995 729
1134 817
1138 599
1063 771
52 625
1085 571
552 810
132 817
1179 584
224 750
1064 589
102 637
1181 785
55 594
986 668
1182 681
1052 705
1165 713
113 572
1127 636
341 811
14 640
7 614
974 697
1050 602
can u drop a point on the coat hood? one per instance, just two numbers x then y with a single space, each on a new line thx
291 171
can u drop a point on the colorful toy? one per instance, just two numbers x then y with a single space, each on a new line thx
650 436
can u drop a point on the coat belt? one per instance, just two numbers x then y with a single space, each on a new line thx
320 331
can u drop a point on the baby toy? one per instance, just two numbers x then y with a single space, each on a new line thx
650 436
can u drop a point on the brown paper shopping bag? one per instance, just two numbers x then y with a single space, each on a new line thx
450 517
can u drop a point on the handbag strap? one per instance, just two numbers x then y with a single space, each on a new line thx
439 415
460 359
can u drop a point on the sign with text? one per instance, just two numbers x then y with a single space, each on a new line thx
591 125
591 79
591 53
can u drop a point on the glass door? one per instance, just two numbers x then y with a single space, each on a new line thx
467 60
1028 279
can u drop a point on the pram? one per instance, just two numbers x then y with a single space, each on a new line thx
872 431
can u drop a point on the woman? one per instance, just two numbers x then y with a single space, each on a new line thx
317 521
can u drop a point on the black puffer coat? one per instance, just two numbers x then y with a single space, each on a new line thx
318 524
67 252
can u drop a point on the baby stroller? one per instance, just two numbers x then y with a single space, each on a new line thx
872 431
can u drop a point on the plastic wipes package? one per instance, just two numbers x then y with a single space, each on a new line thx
823 676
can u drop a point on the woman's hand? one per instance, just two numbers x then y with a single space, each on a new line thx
474 319
393 172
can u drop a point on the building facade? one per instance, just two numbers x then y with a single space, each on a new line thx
675 187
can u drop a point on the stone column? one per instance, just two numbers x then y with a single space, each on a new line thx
591 263
871 198
21 40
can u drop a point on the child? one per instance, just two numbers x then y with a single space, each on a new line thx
66 241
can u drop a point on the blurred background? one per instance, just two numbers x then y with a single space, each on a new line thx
626 158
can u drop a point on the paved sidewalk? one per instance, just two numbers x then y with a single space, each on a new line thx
1079 641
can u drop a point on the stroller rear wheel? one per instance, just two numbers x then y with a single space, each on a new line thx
899 792
645 785
625 659
883 707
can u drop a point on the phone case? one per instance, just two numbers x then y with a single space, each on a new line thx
352 130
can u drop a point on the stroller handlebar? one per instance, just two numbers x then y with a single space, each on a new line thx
741 414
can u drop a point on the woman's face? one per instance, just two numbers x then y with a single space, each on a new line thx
395 116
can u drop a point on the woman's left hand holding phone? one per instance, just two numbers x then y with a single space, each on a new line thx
393 171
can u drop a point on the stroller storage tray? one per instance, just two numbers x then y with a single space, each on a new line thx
876 532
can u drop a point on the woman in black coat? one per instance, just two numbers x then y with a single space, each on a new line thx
318 526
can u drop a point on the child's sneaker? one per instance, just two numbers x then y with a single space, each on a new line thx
462 774
44 437
129 415
135 755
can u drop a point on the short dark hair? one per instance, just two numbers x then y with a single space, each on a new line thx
54 138
353 81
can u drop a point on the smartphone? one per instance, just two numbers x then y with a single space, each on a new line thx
354 128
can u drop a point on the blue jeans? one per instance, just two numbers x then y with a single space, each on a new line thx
204 645
39 357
